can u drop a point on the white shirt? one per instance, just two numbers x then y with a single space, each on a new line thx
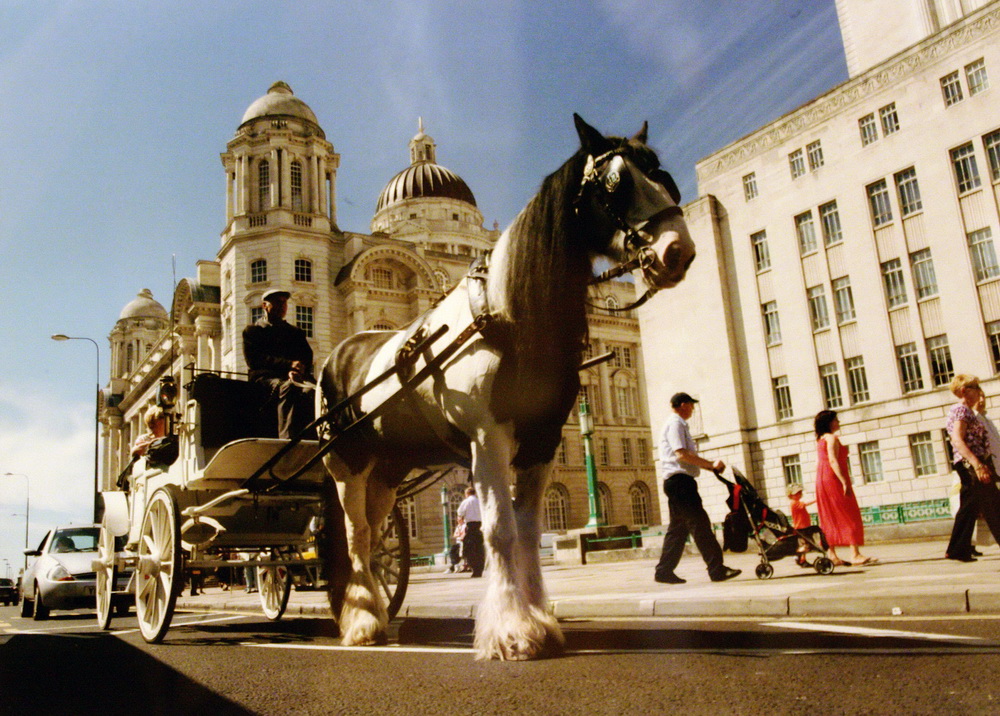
676 436
991 430
468 510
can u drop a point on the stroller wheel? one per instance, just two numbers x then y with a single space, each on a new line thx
823 565
764 571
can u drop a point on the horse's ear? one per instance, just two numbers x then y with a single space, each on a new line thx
593 142
643 134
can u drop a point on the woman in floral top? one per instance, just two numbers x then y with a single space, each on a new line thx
973 462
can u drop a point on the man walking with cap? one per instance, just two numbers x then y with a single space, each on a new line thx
279 356
681 465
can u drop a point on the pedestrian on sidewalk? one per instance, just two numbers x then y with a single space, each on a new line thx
839 514
681 465
473 550
972 459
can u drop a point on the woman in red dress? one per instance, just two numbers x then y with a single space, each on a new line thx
839 514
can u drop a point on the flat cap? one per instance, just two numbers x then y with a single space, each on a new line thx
273 293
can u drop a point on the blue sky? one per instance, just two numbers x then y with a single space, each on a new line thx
113 116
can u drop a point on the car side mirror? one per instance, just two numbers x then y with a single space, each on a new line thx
31 553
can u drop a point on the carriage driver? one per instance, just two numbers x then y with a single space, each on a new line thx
279 356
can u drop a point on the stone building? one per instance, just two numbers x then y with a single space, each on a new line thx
847 261
281 231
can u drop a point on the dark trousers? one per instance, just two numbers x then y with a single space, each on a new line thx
296 407
976 498
473 550
687 517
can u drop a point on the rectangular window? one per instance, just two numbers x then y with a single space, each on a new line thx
830 380
303 270
922 452
984 258
561 452
871 461
626 451
791 466
817 308
814 151
939 355
761 255
975 77
843 300
782 397
797 163
924 280
966 169
603 451
772 327
304 319
993 334
909 192
829 218
869 131
258 271
857 380
295 174
890 121
909 367
382 277
892 278
951 89
256 313
750 186
806 232
878 199
642 448
992 144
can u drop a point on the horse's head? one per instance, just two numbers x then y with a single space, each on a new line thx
623 181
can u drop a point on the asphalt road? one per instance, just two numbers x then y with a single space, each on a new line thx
237 664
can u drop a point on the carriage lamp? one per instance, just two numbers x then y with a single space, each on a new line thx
166 393
587 432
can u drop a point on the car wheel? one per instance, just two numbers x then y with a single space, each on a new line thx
26 610
41 611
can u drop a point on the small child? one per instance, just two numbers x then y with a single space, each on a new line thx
800 521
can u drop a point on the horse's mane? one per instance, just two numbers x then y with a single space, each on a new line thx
548 268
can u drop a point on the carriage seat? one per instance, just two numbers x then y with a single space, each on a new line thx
231 410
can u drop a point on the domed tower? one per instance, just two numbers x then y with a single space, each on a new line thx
140 324
281 215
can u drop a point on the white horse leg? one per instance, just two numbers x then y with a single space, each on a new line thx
509 626
363 617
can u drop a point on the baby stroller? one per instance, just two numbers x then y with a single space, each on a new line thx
770 529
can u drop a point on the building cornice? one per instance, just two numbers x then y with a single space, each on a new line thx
900 67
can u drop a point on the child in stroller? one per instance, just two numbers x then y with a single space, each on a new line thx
773 534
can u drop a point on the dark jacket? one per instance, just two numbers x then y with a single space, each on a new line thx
270 349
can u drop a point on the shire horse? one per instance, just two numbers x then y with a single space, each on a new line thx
517 330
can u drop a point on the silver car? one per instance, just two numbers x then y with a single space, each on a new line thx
62 576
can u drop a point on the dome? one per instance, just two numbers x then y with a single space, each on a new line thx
143 306
279 100
424 180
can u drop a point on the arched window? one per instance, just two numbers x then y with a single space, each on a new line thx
604 502
456 493
556 508
610 303
638 496
303 270
258 271
263 186
408 507
296 173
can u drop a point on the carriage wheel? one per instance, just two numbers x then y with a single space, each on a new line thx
823 565
274 584
107 574
390 560
764 571
159 566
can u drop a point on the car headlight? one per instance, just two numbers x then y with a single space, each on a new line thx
58 573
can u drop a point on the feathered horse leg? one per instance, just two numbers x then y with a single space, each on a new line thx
510 624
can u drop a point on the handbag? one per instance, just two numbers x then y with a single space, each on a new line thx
163 451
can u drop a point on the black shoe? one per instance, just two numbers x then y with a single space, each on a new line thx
961 558
725 573
669 578
976 553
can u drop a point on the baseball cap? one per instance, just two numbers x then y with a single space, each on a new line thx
681 398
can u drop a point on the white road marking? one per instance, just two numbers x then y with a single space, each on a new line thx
867 631
387 647
192 622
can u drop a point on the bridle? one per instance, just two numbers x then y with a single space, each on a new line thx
600 182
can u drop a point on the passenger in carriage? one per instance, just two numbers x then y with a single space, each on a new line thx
279 356
156 427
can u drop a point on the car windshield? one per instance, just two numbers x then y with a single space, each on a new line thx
6 582
78 539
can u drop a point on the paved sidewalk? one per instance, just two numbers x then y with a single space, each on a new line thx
910 578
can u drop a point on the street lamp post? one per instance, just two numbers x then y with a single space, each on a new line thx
446 514
27 507
97 412
587 431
